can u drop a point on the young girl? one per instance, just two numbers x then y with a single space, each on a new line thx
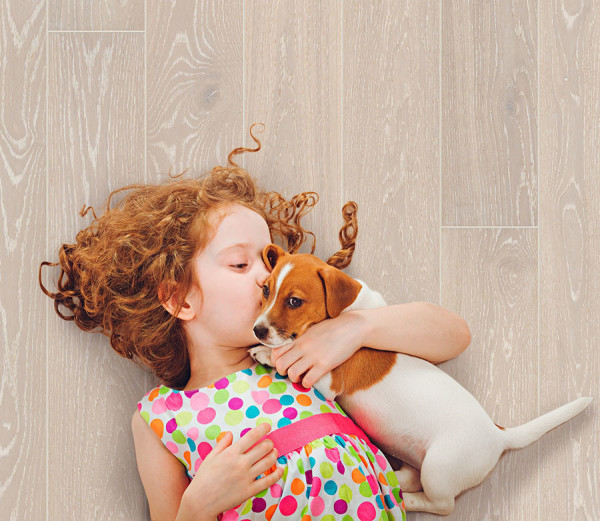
173 275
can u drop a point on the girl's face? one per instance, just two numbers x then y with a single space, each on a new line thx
231 276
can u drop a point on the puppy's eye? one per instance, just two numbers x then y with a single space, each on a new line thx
294 302
265 291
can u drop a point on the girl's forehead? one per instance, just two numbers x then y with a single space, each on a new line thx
239 224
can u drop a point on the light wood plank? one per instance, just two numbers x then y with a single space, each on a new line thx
23 216
292 75
391 144
489 113
349 92
96 144
194 83
96 15
570 249
490 278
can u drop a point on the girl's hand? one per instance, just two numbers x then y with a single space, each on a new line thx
227 475
321 348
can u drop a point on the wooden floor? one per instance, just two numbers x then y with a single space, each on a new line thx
467 132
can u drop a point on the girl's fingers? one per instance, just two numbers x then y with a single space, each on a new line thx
276 352
311 377
267 481
223 443
252 437
264 463
298 369
285 361
259 451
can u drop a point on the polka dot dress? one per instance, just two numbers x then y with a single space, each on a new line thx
335 477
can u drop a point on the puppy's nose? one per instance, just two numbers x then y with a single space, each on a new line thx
260 332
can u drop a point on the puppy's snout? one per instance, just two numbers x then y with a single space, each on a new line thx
260 332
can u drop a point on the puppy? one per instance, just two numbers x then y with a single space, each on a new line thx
437 426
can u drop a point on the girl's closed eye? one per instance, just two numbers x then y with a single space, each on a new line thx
240 266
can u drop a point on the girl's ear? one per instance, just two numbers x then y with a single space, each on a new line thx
271 255
186 312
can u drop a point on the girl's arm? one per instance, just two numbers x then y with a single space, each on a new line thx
162 475
417 328
420 329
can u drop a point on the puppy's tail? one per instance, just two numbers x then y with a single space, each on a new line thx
523 435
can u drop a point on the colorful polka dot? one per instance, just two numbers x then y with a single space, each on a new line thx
221 396
277 387
222 383
265 381
283 422
199 401
234 417
304 400
258 504
174 401
212 432
260 397
241 386
288 505
366 512
290 413
317 505
297 486
271 406
286 399
159 406
183 418
206 415
252 411
235 403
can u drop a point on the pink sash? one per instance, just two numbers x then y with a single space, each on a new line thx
295 435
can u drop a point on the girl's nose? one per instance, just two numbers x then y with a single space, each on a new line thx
261 280
262 276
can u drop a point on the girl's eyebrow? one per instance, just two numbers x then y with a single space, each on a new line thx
246 245
242 244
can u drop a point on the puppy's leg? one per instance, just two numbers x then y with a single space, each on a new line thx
450 466
438 476
419 502
262 354
409 479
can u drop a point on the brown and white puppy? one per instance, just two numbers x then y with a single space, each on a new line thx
408 407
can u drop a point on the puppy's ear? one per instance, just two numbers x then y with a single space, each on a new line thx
340 289
271 255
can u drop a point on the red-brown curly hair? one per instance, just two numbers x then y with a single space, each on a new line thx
110 277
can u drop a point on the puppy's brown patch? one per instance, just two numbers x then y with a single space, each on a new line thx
362 370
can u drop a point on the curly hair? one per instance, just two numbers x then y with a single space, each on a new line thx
111 276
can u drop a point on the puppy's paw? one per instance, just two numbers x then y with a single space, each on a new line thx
262 354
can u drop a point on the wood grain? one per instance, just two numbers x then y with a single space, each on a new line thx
391 145
292 78
489 113
96 124
467 132
23 313
490 278
194 83
96 15
569 254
